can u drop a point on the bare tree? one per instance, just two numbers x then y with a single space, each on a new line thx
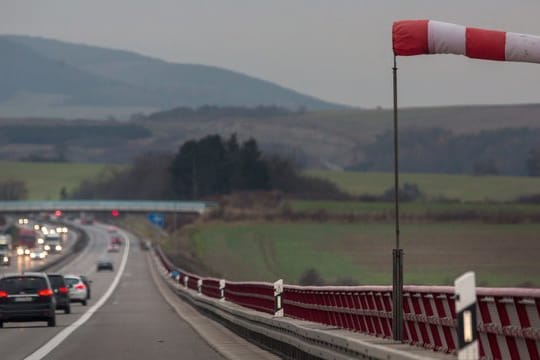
13 190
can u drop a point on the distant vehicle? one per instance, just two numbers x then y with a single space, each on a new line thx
86 282
27 297
5 249
61 292
38 254
113 248
112 229
104 264
52 242
116 240
77 289
87 219
24 240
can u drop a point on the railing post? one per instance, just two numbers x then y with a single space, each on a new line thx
222 290
278 298
466 317
186 279
199 286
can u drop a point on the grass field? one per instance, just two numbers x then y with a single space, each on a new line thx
436 253
415 208
45 180
462 187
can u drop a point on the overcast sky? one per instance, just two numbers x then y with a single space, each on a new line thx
338 50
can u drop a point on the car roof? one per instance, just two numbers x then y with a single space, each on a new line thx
54 275
34 274
72 276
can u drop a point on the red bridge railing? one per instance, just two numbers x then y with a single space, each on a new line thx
508 327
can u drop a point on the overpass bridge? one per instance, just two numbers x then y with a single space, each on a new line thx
132 206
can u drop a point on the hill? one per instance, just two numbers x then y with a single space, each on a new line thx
49 78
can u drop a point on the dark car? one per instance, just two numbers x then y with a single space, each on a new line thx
86 282
27 297
61 292
104 265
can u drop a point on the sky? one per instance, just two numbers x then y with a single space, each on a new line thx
337 50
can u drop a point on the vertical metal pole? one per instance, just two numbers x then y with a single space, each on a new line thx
397 253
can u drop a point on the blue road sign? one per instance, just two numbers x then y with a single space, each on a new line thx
156 219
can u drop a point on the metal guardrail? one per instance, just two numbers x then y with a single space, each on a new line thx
509 326
107 205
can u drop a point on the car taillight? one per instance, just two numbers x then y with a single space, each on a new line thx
80 287
63 290
45 292
3 294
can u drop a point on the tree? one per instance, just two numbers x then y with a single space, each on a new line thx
13 190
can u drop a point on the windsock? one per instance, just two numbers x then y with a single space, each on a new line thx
422 37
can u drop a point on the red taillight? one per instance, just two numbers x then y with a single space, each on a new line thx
3 294
45 292
80 287
63 290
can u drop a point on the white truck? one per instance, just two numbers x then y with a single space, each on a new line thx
5 249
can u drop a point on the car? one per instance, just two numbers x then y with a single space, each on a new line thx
27 297
86 282
113 248
78 292
61 292
38 254
104 264
116 240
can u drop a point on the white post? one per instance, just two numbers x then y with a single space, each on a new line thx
465 290
222 290
278 298
186 279
199 286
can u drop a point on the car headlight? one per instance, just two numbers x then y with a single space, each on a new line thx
58 248
5 259
65 229
40 241
26 251
42 255
33 255
20 251
47 247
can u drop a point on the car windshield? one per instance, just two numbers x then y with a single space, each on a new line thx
27 284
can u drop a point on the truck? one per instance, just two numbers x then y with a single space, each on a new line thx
25 240
5 249
52 242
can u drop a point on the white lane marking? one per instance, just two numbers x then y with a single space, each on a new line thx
62 335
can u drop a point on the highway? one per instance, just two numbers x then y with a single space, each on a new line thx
134 322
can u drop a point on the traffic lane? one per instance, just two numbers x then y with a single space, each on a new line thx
24 263
18 340
135 323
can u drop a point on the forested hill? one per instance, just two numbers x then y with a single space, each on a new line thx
49 78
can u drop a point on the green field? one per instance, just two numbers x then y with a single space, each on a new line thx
415 208
461 187
436 253
45 180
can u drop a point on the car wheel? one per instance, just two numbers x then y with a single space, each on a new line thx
51 322
84 302
67 309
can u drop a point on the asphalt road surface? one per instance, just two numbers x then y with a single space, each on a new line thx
133 323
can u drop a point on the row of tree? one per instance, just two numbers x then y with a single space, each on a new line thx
204 168
514 151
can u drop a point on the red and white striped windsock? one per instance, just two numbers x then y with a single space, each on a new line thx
418 37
